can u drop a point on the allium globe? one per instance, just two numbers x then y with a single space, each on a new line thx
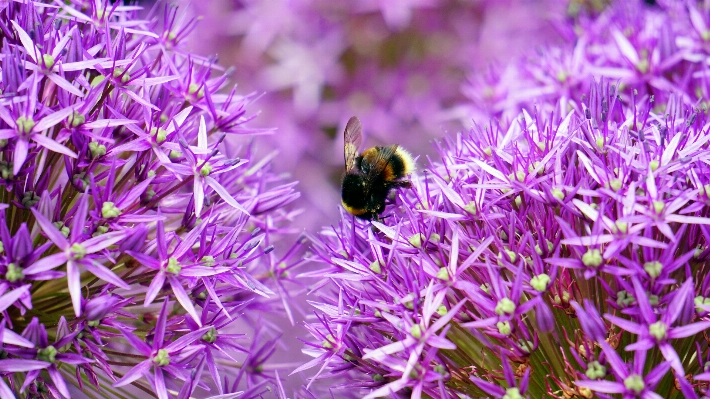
557 249
136 242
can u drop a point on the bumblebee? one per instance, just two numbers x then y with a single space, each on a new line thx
370 176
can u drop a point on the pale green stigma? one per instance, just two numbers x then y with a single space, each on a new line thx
327 342
442 311
643 65
97 80
175 154
653 165
526 346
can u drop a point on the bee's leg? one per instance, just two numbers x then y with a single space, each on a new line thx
402 184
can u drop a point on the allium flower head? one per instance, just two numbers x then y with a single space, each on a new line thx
563 247
133 233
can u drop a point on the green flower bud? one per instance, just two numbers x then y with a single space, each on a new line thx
540 282
441 310
162 358
417 239
24 125
505 306
159 133
513 393
173 266
210 336
592 258
208 260
635 383
76 119
504 328
376 267
416 331
175 154
658 330
97 80
97 149
14 273
443 274
48 61
48 354
558 193
109 210
595 370
29 199
77 251
653 269
195 88
658 206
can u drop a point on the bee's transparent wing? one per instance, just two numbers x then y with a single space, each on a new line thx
379 163
353 139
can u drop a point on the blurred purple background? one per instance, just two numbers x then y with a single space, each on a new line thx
400 65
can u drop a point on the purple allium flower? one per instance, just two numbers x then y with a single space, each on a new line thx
136 237
564 243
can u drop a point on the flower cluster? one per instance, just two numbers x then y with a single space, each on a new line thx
133 233
558 251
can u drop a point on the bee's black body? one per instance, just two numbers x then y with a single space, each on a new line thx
370 176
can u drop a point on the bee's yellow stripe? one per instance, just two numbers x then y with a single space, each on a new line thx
353 211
